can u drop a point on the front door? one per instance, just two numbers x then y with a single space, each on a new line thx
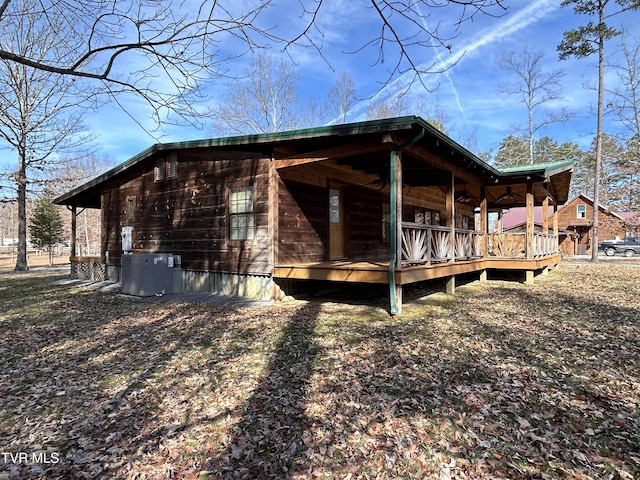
337 235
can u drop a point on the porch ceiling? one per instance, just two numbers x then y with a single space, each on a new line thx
429 163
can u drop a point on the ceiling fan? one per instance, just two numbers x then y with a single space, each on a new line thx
465 197
507 195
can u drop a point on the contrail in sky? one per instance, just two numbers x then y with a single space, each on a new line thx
521 19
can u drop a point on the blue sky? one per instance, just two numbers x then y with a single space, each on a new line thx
468 90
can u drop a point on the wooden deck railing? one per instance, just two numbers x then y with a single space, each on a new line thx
428 243
545 244
513 244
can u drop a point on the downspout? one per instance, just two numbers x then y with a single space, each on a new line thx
393 220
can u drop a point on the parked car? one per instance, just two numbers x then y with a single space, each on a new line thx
629 247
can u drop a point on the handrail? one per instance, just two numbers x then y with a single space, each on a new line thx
424 244
432 243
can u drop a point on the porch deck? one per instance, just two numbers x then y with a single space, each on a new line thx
378 271
430 252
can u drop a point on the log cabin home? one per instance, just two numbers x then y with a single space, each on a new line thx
392 201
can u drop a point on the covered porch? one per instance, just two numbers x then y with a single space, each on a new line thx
438 208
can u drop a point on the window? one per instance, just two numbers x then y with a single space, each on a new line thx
581 211
166 168
131 204
241 220
159 171
172 166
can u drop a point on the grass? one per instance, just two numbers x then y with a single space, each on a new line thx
500 381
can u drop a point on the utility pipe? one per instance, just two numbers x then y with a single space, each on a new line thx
393 220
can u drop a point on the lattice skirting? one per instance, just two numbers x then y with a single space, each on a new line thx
89 271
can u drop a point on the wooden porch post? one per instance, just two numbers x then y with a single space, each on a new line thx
530 222
484 229
395 204
450 206
74 227
484 222
545 215
450 214
72 243
554 222
274 213
395 211
398 264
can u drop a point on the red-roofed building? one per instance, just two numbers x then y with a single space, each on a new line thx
575 221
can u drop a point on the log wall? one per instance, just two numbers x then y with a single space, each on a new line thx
187 215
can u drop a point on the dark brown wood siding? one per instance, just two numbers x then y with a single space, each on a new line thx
365 224
302 223
187 215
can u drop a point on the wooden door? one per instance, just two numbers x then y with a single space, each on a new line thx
337 224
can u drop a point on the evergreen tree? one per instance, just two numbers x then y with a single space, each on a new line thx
46 225
583 42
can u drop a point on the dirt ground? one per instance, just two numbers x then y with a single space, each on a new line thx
8 260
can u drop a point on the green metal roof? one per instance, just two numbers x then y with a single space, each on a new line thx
549 168
81 194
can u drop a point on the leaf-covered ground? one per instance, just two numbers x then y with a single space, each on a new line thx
501 380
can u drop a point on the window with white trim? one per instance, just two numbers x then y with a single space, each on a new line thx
241 218
581 211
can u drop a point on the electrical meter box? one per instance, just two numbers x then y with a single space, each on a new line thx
127 239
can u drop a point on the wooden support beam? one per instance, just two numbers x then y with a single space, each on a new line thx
450 215
529 199
545 215
74 229
484 222
398 226
451 285
291 160
528 279
425 155
273 186
399 211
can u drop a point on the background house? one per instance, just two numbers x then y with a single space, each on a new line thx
575 222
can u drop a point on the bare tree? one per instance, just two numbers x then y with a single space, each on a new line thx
39 114
341 97
535 88
263 100
405 30
626 96
70 174
174 45
626 106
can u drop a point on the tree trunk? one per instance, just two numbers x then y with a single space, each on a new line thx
596 182
21 181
